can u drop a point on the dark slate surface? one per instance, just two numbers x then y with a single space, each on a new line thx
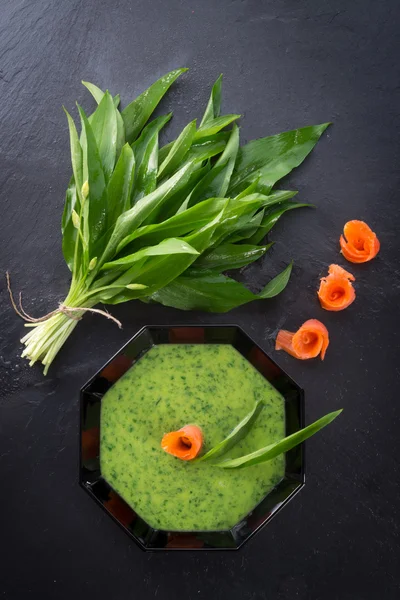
286 64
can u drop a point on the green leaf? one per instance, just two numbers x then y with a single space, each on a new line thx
236 435
210 292
207 147
178 151
138 112
237 216
97 200
216 182
270 219
215 126
134 217
271 158
76 154
251 189
230 256
146 180
96 92
240 213
120 186
104 127
277 284
284 445
194 218
154 127
146 154
214 103
163 152
120 133
202 149
168 246
69 232
176 200
248 229
98 95
227 160
73 197
158 271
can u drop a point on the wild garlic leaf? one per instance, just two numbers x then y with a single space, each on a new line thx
212 292
135 216
96 203
227 160
203 148
271 218
120 133
154 127
206 148
104 127
240 213
206 130
213 108
136 114
120 186
76 154
246 230
96 92
216 182
166 247
277 284
146 178
251 189
215 126
98 95
176 226
271 158
230 256
272 450
237 434
176 199
158 271
69 232
178 151
73 197
146 155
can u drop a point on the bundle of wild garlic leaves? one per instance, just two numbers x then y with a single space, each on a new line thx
164 224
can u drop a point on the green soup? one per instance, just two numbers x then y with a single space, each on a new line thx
211 386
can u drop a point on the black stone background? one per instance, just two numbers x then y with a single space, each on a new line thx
286 64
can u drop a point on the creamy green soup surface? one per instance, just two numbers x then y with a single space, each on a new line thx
212 386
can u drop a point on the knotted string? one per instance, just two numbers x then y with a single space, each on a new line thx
62 308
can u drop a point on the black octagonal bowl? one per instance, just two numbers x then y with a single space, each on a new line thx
90 477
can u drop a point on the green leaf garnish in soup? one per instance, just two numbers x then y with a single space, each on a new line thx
283 445
236 435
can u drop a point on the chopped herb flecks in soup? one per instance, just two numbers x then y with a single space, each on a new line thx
213 387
